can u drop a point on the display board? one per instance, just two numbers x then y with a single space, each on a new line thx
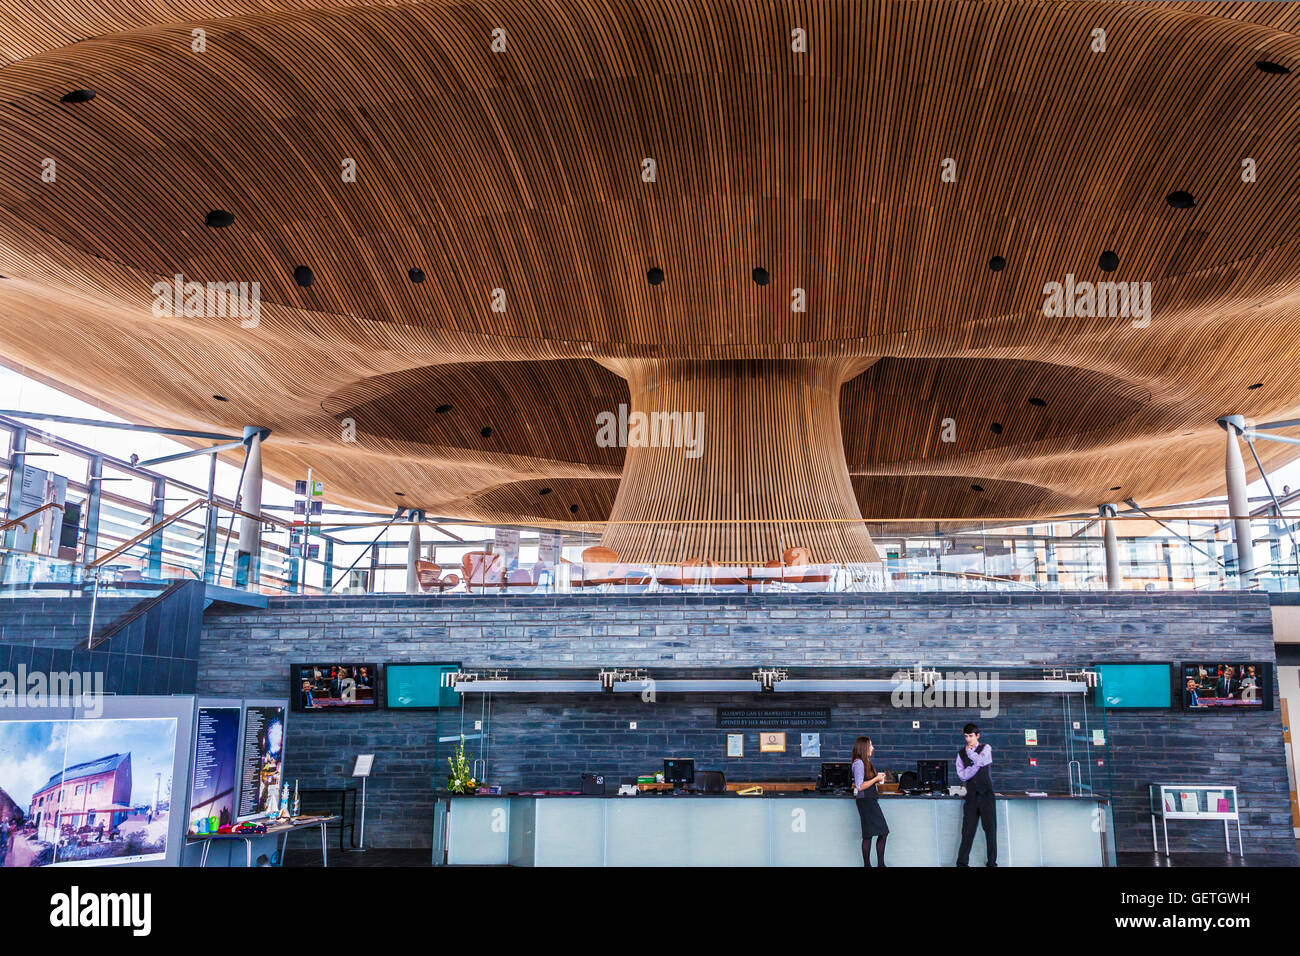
262 758
1134 685
418 686
214 777
83 787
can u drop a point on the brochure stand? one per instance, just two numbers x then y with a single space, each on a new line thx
362 770
1194 801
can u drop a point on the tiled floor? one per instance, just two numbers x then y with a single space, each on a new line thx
1145 858
371 857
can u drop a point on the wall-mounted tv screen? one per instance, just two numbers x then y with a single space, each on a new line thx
1226 686
347 686
419 686
1133 685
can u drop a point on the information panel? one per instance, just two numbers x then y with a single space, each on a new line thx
763 718
263 760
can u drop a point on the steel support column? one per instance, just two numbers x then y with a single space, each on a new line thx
248 553
1238 502
1113 580
413 555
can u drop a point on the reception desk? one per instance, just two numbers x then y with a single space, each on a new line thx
775 829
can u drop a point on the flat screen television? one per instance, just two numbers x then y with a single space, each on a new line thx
418 686
1225 686
1134 685
334 687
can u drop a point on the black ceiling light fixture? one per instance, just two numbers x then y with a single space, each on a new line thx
1037 403
996 428
400 494
1109 261
997 263
1117 488
1268 66
415 275
573 509
979 488
544 491
485 431
303 276
77 96
442 410
1181 199
218 219
760 276
220 398
655 275
1251 388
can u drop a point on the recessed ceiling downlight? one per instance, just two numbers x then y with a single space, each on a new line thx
485 432
1109 261
760 276
976 487
77 96
218 219
1181 199
1037 403
573 509
1268 66
655 275
415 275
442 410
544 491
220 398
1251 388
303 276
997 263
996 428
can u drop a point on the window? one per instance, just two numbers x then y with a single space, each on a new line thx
96 786
81 788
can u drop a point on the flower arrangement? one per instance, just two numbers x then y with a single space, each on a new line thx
461 779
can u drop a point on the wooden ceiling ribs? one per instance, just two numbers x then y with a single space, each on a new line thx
521 171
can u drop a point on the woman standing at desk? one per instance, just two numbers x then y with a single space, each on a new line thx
867 794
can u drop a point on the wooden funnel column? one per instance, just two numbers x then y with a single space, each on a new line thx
770 451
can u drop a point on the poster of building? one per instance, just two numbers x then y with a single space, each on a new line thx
85 792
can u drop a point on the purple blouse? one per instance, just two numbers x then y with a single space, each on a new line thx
978 760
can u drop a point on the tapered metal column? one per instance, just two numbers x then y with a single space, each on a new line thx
1238 502
413 555
1113 579
248 554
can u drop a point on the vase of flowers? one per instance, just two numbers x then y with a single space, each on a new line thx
461 779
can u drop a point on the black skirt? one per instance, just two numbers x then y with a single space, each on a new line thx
873 821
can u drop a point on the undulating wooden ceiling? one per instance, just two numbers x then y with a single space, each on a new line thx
522 171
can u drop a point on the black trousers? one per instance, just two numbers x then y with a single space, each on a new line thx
983 810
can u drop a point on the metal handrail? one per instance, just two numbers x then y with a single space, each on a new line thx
17 521
148 532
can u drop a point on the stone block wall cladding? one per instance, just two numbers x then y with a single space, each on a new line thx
155 653
538 741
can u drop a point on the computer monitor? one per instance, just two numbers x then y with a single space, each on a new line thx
933 774
679 771
836 776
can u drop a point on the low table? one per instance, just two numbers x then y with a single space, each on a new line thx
281 830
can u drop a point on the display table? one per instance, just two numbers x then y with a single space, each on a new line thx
281 830
775 829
